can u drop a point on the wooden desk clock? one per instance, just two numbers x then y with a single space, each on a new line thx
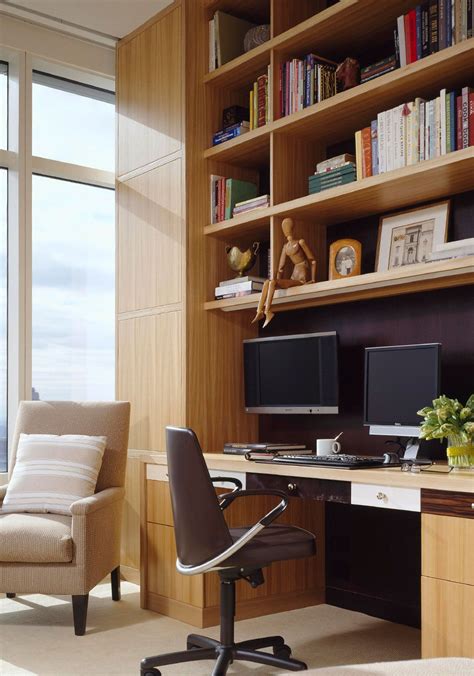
344 258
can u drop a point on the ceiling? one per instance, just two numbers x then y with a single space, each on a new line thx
114 18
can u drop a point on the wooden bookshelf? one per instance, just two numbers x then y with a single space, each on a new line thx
409 279
431 179
348 111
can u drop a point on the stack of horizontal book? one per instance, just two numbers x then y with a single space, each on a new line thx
331 178
265 449
250 204
377 69
304 82
415 131
230 132
239 286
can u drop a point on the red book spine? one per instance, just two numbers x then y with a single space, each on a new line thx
366 153
471 119
406 20
280 90
221 202
458 122
412 20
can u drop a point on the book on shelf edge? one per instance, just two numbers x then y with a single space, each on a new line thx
229 34
245 447
334 162
235 294
245 278
236 191
366 152
261 455
235 288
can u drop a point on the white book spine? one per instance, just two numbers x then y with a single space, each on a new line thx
389 139
236 288
442 111
432 129
409 123
437 127
381 142
397 145
401 40
421 130
212 46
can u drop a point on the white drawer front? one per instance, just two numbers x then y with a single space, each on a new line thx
241 476
388 497
160 473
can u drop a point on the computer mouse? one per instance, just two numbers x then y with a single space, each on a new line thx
391 458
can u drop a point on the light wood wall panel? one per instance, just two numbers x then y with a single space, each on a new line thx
447 618
163 578
150 375
150 100
151 239
448 548
130 544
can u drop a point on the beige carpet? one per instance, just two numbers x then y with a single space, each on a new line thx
36 637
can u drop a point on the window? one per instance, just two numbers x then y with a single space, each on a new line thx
57 232
3 320
3 105
73 122
73 301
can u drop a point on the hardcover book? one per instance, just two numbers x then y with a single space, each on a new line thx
237 191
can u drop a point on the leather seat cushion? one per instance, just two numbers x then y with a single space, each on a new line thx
274 543
35 538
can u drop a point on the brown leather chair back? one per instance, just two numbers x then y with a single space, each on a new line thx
200 528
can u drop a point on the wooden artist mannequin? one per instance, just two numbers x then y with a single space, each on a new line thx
301 256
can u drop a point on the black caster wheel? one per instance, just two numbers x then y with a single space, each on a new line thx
151 672
282 651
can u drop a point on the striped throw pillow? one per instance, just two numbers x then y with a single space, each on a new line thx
51 472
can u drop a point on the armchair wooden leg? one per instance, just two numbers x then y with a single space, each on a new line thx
115 581
10 595
79 611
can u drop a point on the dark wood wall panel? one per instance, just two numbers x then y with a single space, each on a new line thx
445 316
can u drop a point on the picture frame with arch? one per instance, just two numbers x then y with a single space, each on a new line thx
409 237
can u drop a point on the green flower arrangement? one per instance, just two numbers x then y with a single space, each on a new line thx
450 419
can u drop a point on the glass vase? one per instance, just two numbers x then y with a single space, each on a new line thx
460 454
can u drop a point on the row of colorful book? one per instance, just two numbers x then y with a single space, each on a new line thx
303 82
231 196
432 26
260 101
416 131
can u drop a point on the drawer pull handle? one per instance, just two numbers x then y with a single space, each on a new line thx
292 488
381 496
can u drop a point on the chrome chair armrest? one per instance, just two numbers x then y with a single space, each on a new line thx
214 563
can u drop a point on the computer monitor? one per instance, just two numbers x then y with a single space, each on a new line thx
292 374
399 381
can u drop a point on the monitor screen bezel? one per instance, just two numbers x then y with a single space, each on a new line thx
395 426
309 409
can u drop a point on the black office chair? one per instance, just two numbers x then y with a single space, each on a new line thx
204 543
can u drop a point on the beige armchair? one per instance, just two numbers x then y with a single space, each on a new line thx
56 554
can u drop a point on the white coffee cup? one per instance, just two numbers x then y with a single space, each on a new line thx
327 446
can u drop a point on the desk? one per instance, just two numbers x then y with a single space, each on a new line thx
446 503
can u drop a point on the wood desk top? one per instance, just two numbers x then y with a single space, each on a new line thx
461 481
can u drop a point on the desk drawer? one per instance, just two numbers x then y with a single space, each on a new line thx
298 487
387 497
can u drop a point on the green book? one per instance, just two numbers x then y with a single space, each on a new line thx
237 191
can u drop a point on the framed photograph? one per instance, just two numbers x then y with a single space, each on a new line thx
408 237
344 258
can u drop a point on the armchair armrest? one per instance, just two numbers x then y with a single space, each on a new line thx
266 520
97 501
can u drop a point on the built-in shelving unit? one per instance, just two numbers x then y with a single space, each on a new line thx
409 279
287 149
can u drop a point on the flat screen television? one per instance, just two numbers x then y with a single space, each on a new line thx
292 374
399 381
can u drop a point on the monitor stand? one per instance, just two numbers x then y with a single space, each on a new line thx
412 449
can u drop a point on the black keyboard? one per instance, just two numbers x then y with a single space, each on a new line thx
343 461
